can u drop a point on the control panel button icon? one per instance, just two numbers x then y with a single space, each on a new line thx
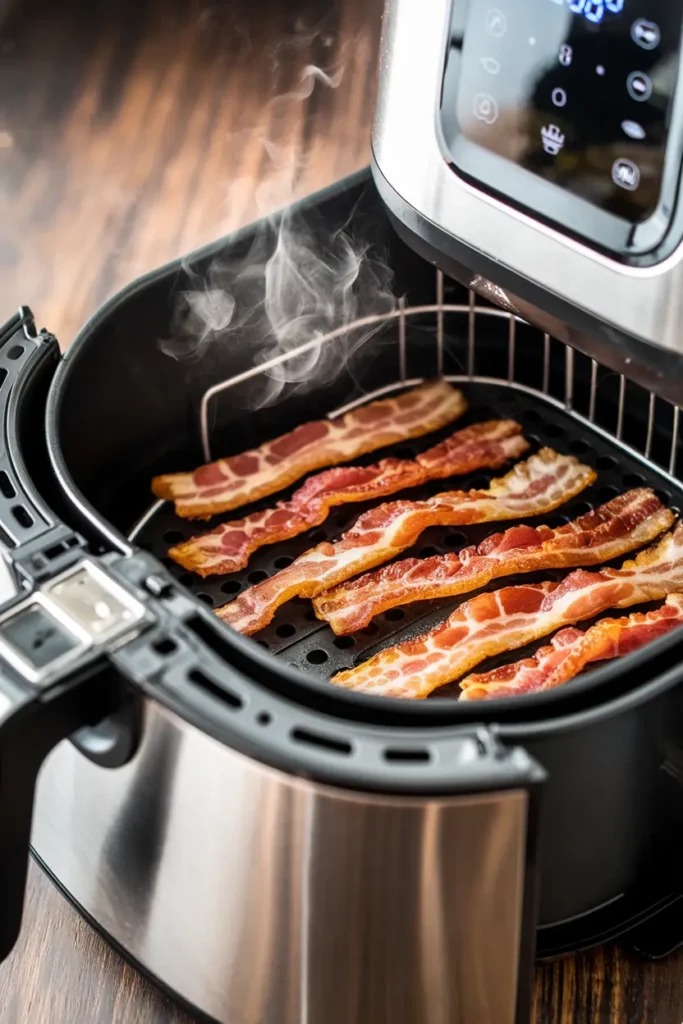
485 108
559 97
552 138
491 65
626 174
566 55
639 86
633 130
646 34
496 23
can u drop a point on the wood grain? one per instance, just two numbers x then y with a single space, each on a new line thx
130 133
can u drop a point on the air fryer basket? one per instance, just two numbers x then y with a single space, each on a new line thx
200 410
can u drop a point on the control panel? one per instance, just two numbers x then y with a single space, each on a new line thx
567 108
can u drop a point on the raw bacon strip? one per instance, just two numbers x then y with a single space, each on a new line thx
620 526
229 483
538 485
571 650
512 617
228 547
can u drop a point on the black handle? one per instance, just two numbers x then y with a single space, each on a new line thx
31 724
59 673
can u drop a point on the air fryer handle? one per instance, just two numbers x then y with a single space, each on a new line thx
60 671
32 721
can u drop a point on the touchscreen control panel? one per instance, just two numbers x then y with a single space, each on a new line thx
579 94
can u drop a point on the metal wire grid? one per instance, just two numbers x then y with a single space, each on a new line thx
442 310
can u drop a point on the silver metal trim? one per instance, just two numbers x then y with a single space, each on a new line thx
569 378
546 364
620 408
512 337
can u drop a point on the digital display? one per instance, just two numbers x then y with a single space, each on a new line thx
594 10
579 92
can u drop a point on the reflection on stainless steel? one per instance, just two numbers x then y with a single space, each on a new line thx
490 291
569 378
407 152
594 392
263 898
620 408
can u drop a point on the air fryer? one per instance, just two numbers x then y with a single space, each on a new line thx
263 844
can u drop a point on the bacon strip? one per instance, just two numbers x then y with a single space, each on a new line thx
512 617
229 483
571 650
229 547
622 525
538 485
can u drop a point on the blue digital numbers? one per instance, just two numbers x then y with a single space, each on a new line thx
594 10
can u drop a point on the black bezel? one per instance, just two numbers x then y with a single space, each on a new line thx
644 244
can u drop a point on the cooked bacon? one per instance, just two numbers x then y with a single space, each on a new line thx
538 485
229 483
229 547
622 525
505 619
571 650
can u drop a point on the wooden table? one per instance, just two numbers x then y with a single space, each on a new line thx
130 133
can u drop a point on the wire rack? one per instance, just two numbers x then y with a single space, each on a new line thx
453 319
450 316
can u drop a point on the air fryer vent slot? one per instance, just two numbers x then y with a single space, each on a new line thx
316 739
6 487
415 756
200 679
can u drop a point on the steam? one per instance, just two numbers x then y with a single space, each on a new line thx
301 279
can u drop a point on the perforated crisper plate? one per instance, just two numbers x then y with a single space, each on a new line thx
295 633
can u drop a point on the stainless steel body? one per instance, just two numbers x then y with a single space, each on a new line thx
644 303
262 898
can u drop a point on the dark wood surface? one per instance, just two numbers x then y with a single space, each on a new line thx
130 133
